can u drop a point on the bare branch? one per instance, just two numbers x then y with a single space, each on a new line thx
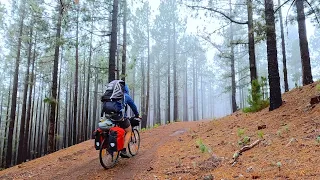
216 11
218 47
281 5
313 11
288 13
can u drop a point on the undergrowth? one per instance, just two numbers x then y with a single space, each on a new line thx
318 87
203 148
257 99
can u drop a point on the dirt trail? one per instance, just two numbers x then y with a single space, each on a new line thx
82 161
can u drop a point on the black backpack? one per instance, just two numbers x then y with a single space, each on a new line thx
113 99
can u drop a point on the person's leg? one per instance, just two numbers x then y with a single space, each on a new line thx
128 136
127 127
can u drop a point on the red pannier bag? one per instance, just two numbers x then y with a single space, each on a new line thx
116 138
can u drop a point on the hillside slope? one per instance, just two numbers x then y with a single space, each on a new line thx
288 149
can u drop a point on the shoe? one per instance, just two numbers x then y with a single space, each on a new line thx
124 154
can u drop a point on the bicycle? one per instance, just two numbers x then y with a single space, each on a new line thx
109 159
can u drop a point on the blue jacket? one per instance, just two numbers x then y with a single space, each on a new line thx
128 100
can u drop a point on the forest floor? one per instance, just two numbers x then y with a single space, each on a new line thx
288 149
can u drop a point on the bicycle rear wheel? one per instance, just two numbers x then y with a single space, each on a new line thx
134 143
107 159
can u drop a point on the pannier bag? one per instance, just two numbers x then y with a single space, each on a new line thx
116 139
98 138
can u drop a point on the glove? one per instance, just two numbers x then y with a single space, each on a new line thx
137 116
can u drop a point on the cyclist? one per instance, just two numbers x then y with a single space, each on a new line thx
123 121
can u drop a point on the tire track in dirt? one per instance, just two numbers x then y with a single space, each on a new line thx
140 164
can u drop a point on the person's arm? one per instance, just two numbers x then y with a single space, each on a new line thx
130 102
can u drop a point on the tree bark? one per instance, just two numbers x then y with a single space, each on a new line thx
76 80
57 123
36 126
253 73
169 84
124 53
194 89
70 127
14 91
113 44
273 71
148 72
284 58
158 93
54 81
5 143
95 102
22 150
88 84
252 56
185 102
65 126
31 110
175 83
304 48
82 111
143 95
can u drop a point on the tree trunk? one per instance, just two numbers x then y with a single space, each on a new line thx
273 71
22 150
194 89
34 122
88 84
117 69
54 81
79 119
202 97
185 102
57 123
113 45
83 118
232 66
158 93
46 135
36 126
124 53
252 56
175 83
284 58
76 80
148 72
143 96
16 136
5 143
65 125
31 108
95 102
304 49
40 120
70 130
41 126
14 91
169 84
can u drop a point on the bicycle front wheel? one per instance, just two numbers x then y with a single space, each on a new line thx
134 143
107 159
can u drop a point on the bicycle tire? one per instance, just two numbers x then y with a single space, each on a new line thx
107 160
134 143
